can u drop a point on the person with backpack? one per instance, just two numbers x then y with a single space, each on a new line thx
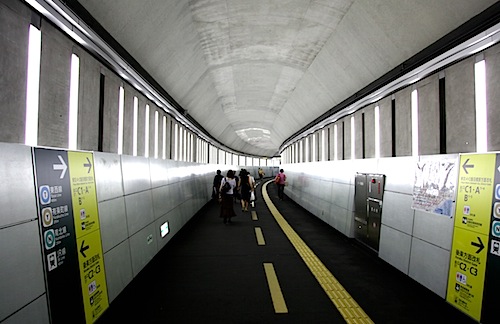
227 186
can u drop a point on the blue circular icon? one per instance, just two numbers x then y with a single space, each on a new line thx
44 195
50 239
495 228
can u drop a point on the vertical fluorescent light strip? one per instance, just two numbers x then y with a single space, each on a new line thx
134 135
164 137
481 109
377 131
335 144
73 102
313 151
191 146
146 132
414 122
33 86
301 151
353 139
121 100
156 134
181 144
323 142
307 149
176 141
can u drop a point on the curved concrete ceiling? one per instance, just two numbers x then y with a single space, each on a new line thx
254 72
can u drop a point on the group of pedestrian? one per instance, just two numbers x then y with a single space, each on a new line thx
241 187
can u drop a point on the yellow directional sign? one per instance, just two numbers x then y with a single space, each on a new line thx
92 276
469 251
88 235
474 192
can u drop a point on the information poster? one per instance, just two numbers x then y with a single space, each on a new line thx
470 253
67 208
434 190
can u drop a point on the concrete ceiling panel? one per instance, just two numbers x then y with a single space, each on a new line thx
253 73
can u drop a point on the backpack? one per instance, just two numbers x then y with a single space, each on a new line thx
226 187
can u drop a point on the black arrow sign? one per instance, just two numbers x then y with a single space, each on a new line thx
467 166
88 165
83 249
480 245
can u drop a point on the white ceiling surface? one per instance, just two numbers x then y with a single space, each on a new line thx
254 72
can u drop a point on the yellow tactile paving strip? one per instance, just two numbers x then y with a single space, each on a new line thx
347 306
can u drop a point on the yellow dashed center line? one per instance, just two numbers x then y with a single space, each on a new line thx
254 215
274 288
259 236
347 306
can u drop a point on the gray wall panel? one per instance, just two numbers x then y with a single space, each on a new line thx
159 172
385 108
492 57
161 201
433 228
118 266
403 122
460 107
55 65
111 96
35 312
88 124
339 218
395 248
136 176
340 195
397 212
14 21
108 174
400 173
429 266
139 209
22 268
428 115
18 197
113 221
143 247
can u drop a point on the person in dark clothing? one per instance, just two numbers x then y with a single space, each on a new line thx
246 188
226 197
216 185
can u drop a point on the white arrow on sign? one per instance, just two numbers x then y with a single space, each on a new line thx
59 167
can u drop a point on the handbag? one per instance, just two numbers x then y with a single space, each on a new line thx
252 196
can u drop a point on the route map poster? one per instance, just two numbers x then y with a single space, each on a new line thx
69 227
435 185
475 255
